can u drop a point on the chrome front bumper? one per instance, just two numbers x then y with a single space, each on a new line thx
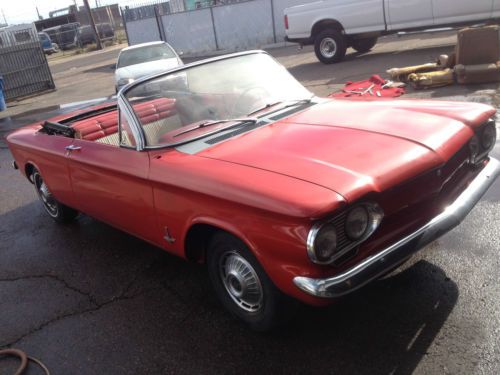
378 264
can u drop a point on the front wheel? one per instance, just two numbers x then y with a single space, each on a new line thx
330 46
364 45
57 211
243 287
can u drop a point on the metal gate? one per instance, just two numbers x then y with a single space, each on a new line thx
24 69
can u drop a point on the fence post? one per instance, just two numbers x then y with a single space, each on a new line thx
274 23
124 17
213 26
159 23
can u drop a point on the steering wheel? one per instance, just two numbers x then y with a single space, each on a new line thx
241 106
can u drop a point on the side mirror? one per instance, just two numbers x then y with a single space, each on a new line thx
180 53
113 66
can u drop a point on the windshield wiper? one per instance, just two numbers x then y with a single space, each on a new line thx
291 103
204 124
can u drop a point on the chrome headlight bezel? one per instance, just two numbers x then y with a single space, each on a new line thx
375 215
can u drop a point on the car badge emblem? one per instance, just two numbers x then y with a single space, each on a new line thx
168 237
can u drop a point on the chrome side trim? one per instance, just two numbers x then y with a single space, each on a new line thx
378 264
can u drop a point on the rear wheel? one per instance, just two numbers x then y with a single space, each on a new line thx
330 46
57 211
364 45
243 287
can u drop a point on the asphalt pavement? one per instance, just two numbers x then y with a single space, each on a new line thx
86 298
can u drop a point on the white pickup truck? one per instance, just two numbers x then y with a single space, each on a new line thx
334 25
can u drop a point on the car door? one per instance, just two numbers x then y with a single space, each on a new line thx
51 153
452 11
407 14
110 183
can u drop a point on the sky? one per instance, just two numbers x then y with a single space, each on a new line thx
24 11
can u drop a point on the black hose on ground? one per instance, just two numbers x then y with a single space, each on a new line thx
24 360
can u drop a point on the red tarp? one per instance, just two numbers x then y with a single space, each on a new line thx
360 89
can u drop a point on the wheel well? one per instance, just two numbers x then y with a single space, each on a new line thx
197 240
326 24
28 170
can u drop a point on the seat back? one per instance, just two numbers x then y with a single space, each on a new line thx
104 127
478 45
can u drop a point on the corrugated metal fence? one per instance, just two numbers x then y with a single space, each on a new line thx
234 25
24 69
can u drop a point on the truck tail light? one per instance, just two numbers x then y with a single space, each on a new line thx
286 21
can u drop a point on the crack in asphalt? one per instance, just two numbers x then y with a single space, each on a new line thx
95 305
90 297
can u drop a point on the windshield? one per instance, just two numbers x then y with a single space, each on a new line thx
144 54
219 93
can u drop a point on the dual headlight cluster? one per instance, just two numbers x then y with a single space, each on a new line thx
482 142
330 240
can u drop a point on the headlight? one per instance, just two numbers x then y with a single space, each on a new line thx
488 136
331 240
325 243
474 148
356 223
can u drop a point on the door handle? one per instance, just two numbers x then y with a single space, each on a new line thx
72 148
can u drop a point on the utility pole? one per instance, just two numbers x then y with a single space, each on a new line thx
92 24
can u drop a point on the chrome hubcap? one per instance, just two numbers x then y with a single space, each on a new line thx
241 281
45 195
328 47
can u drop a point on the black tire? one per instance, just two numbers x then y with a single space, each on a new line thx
364 45
271 309
330 46
56 210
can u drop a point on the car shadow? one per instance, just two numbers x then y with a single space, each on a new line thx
166 304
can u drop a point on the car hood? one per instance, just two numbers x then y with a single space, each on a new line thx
148 68
355 147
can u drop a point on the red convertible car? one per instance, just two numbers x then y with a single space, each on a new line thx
284 196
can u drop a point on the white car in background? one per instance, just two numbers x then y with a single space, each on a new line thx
144 59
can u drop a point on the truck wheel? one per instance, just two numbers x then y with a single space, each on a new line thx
57 211
243 287
364 45
330 46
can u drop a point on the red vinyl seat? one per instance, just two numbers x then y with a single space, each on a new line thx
94 128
